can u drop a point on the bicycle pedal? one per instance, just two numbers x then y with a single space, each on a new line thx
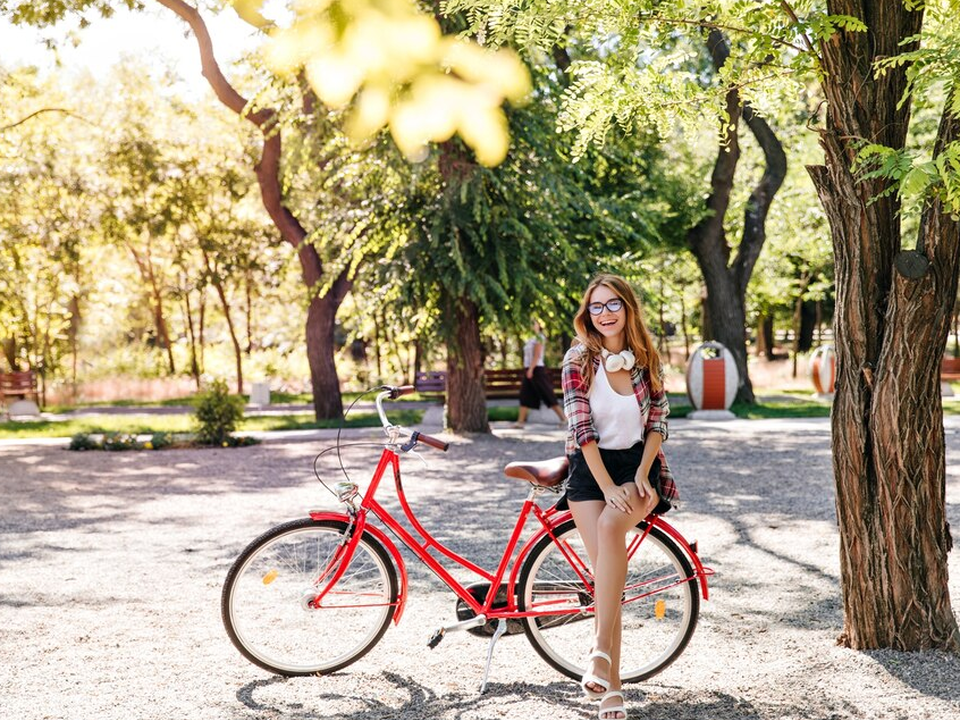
435 639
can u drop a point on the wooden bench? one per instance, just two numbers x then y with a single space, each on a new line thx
431 382
18 385
498 384
950 369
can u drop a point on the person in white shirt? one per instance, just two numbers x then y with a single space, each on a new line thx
536 387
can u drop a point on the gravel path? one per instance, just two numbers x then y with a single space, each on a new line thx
111 566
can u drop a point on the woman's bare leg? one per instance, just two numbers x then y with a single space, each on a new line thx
610 572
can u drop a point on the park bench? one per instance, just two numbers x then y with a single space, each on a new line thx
498 384
18 385
950 369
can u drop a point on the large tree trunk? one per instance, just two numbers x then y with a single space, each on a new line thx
727 282
890 330
322 309
466 398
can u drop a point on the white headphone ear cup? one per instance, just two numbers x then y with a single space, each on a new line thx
613 362
629 359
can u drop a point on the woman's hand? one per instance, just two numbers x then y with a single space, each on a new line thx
643 484
618 496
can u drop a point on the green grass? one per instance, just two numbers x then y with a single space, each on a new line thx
306 421
503 413
183 423
787 407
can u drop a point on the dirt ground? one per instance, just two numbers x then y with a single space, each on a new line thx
111 566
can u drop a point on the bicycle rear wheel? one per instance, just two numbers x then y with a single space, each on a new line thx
265 601
661 602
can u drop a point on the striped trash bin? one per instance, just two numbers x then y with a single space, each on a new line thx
823 370
712 381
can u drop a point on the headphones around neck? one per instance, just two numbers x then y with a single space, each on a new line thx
623 360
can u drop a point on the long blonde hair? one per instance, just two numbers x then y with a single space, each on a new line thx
638 339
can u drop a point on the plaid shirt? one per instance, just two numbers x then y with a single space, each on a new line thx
653 412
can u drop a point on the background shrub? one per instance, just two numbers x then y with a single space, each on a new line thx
84 441
217 414
120 441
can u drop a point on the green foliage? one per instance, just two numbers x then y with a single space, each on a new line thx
83 441
43 13
160 440
119 441
217 414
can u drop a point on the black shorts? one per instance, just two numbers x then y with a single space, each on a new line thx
537 389
622 466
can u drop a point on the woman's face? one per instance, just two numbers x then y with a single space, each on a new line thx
608 323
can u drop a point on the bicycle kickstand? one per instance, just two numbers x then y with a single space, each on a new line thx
501 629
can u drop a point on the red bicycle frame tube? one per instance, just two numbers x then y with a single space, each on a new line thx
548 520
421 547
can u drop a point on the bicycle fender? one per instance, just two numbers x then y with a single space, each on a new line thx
387 543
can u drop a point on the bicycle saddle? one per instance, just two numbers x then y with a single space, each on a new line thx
545 473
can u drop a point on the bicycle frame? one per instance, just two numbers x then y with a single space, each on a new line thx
548 519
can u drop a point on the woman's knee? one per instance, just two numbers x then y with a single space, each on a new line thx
612 525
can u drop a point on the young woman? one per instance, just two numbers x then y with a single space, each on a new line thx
614 398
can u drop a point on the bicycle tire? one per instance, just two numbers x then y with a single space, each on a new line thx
264 609
656 628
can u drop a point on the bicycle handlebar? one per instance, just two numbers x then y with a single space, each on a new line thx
393 392
428 440
396 392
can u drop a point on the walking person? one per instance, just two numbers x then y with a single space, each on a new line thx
536 386
614 397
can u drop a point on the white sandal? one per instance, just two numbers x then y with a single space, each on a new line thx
590 678
604 713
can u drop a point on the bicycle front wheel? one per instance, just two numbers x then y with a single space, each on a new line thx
266 602
661 602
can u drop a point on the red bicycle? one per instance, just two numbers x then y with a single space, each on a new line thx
313 595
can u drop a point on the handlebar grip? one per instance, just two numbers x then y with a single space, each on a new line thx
432 441
396 392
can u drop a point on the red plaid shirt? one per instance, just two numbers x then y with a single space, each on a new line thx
653 411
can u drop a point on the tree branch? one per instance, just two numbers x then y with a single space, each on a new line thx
719 27
268 169
34 114
755 214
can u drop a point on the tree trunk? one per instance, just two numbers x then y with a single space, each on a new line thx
145 265
466 398
769 337
761 348
727 282
191 334
808 324
798 319
890 330
225 304
322 310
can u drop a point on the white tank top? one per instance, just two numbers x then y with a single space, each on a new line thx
616 417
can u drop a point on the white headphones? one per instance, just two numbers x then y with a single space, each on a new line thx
623 360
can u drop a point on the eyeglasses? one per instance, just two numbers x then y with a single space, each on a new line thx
613 305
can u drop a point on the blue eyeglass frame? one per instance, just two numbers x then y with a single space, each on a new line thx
595 308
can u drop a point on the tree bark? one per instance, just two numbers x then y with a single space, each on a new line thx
466 397
727 282
322 308
890 331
